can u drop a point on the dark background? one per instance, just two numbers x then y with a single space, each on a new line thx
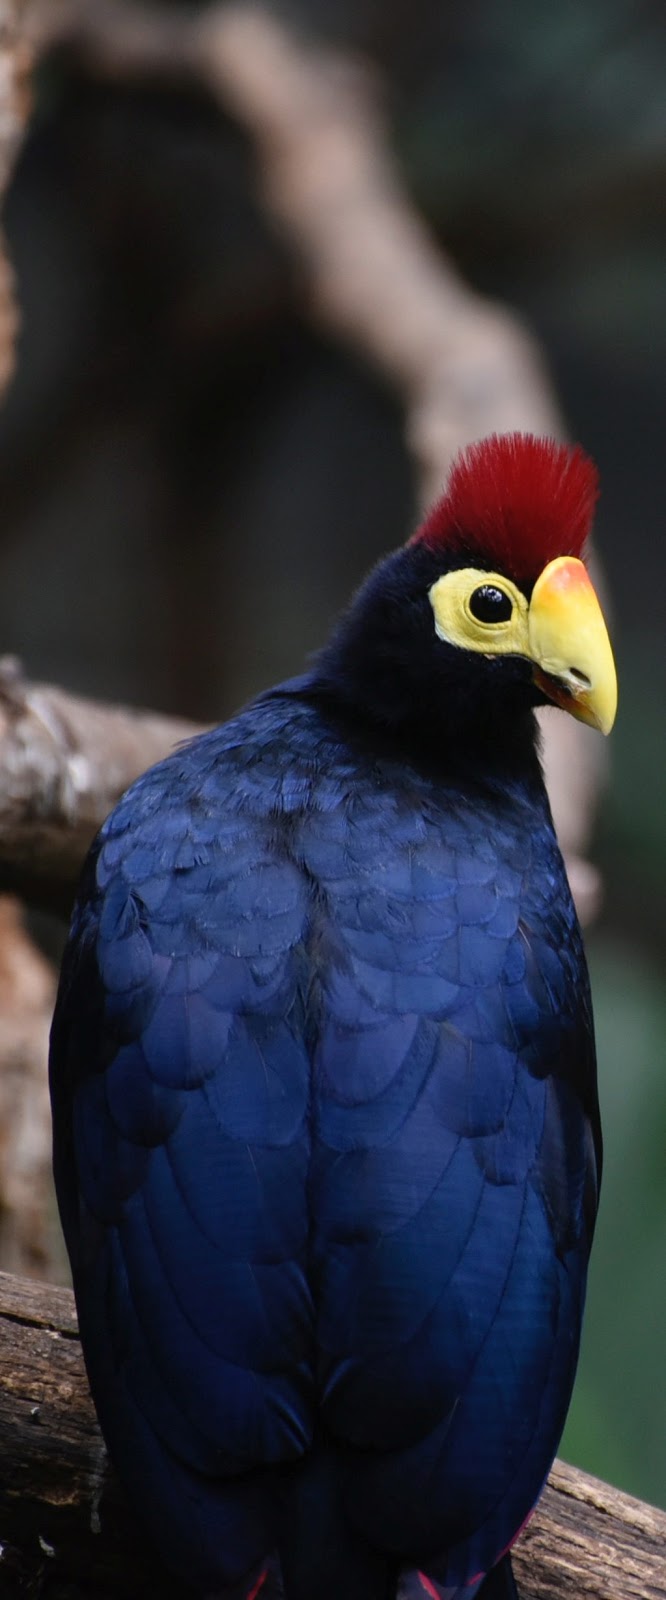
192 478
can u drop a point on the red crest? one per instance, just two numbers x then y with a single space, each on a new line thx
514 502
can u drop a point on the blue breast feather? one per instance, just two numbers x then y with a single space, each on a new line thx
325 1122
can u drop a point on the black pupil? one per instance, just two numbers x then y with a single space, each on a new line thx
489 604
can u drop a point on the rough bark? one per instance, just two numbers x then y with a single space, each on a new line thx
65 1529
27 984
63 764
64 761
63 1516
28 1240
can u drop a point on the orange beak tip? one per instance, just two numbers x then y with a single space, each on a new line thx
569 644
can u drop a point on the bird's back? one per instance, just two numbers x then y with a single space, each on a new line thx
326 1154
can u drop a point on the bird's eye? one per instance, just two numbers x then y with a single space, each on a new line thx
489 604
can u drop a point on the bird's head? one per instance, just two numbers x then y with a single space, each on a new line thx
489 610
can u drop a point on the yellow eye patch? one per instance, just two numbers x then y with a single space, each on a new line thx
562 632
472 611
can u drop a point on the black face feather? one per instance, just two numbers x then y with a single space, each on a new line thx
386 665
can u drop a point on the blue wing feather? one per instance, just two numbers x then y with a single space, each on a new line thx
181 1087
326 1148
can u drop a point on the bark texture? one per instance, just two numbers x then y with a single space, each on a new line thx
64 1523
64 762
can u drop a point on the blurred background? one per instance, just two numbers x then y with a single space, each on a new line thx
193 476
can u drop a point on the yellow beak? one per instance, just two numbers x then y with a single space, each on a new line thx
569 644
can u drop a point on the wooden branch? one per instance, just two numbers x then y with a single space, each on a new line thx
27 983
373 275
63 1518
15 61
463 367
29 1241
63 1513
586 1538
64 762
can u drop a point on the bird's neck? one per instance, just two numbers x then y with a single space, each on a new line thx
377 709
485 757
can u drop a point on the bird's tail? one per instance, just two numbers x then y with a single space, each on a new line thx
321 1555
499 1584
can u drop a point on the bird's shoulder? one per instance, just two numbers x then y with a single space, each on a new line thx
211 814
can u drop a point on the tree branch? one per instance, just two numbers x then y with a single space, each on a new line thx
463 365
28 1239
373 276
15 61
64 762
63 1513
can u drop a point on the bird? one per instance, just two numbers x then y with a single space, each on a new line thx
327 1145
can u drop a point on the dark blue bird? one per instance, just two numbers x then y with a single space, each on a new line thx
327 1143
